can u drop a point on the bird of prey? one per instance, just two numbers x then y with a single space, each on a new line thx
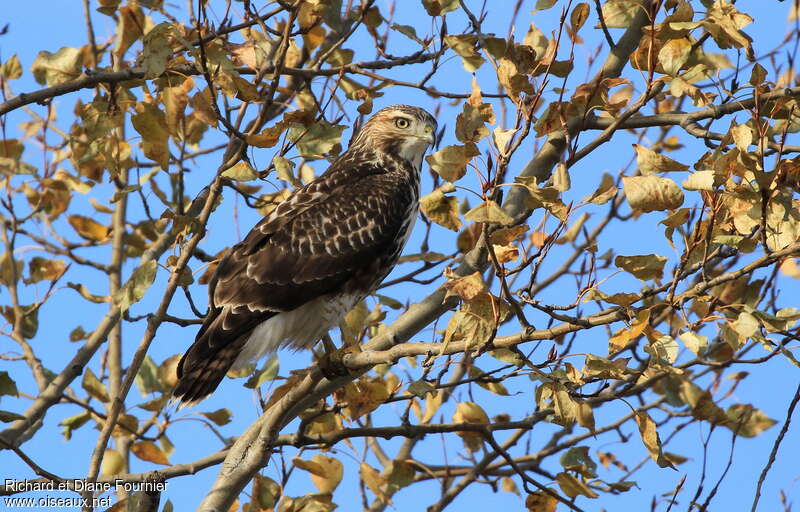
316 255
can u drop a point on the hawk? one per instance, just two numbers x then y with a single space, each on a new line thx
315 256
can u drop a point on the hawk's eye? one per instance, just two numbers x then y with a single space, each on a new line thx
401 122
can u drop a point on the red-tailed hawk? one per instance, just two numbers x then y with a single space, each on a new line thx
316 255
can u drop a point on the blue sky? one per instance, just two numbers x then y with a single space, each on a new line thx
37 25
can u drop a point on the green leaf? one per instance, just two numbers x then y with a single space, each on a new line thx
578 459
30 319
542 5
439 7
73 423
507 356
135 288
285 168
147 377
220 416
8 416
93 386
10 274
7 385
267 373
317 140
157 50
408 31
420 388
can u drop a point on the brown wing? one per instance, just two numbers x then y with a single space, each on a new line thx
328 235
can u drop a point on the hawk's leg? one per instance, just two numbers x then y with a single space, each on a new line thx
330 364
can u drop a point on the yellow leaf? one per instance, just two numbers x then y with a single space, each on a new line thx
470 412
151 123
464 46
505 236
220 416
742 136
374 481
113 463
644 267
175 99
605 191
467 287
266 492
471 123
573 487
489 212
450 162
441 209
506 253
652 193
362 396
89 228
541 502
56 68
146 450
627 334
651 162
330 474
42 269
130 27
674 54
579 16
11 69
268 137
647 429
242 171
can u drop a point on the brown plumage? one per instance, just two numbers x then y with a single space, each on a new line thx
303 266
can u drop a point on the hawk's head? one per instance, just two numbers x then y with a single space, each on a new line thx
401 131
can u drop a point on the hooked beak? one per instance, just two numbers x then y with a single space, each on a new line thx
430 135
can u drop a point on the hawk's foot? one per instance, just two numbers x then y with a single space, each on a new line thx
330 364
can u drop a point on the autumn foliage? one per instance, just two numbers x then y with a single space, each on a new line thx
606 253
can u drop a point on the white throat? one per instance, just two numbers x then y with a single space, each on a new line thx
413 151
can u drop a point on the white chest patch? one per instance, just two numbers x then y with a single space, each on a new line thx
296 329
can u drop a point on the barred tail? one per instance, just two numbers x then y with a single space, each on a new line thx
202 368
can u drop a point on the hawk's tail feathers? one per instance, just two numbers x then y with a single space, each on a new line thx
202 368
